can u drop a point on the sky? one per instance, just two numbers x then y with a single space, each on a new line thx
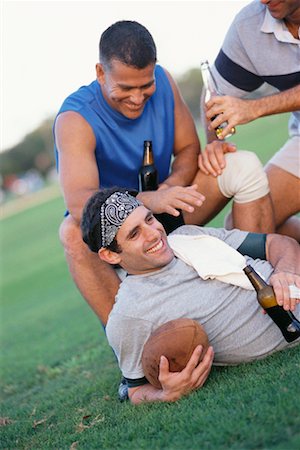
49 48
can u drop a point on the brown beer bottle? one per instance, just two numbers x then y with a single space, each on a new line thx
285 320
211 90
148 181
148 176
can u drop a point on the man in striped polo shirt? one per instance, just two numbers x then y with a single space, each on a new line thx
262 45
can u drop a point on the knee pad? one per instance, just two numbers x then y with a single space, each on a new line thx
244 178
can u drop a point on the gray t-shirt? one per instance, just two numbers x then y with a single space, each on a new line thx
231 316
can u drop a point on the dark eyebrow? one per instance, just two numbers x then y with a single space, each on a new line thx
149 213
144 86
134 229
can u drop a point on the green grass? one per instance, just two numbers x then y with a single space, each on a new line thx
59 377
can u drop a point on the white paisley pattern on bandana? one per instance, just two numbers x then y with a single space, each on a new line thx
113 212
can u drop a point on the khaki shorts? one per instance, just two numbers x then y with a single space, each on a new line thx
288 157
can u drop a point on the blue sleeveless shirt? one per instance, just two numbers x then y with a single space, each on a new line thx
119 140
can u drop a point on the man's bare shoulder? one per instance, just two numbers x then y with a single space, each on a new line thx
72 131
69 118
73 124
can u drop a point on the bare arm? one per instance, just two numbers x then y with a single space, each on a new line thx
186 142
238 111
284 254
175 384
78 172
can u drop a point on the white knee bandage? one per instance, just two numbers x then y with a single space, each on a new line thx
243 179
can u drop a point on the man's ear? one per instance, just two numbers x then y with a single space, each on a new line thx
108 256
100 73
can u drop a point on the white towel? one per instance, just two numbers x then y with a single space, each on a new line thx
213 258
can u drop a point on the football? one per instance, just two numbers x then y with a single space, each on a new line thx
176 340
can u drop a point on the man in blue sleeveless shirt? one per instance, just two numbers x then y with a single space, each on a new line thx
262 45
99 134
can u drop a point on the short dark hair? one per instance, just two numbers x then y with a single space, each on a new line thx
90 221
128 42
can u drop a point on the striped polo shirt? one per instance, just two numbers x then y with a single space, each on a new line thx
258 49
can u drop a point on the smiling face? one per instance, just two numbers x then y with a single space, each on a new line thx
143 242
125 88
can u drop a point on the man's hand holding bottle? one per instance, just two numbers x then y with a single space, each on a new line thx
286 286
231 110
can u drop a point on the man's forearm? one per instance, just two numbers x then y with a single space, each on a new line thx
283 253
148 393
184 167
286 101
75 202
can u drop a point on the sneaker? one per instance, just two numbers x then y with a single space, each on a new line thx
123 390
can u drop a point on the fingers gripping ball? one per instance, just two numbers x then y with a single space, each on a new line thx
176 340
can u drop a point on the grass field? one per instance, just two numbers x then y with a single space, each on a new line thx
59 377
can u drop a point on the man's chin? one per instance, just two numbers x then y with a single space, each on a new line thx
133 114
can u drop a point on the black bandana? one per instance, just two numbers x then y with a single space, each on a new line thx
113 213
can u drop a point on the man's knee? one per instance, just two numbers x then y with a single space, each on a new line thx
71 238
244 178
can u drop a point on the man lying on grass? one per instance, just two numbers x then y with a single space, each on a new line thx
161 287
